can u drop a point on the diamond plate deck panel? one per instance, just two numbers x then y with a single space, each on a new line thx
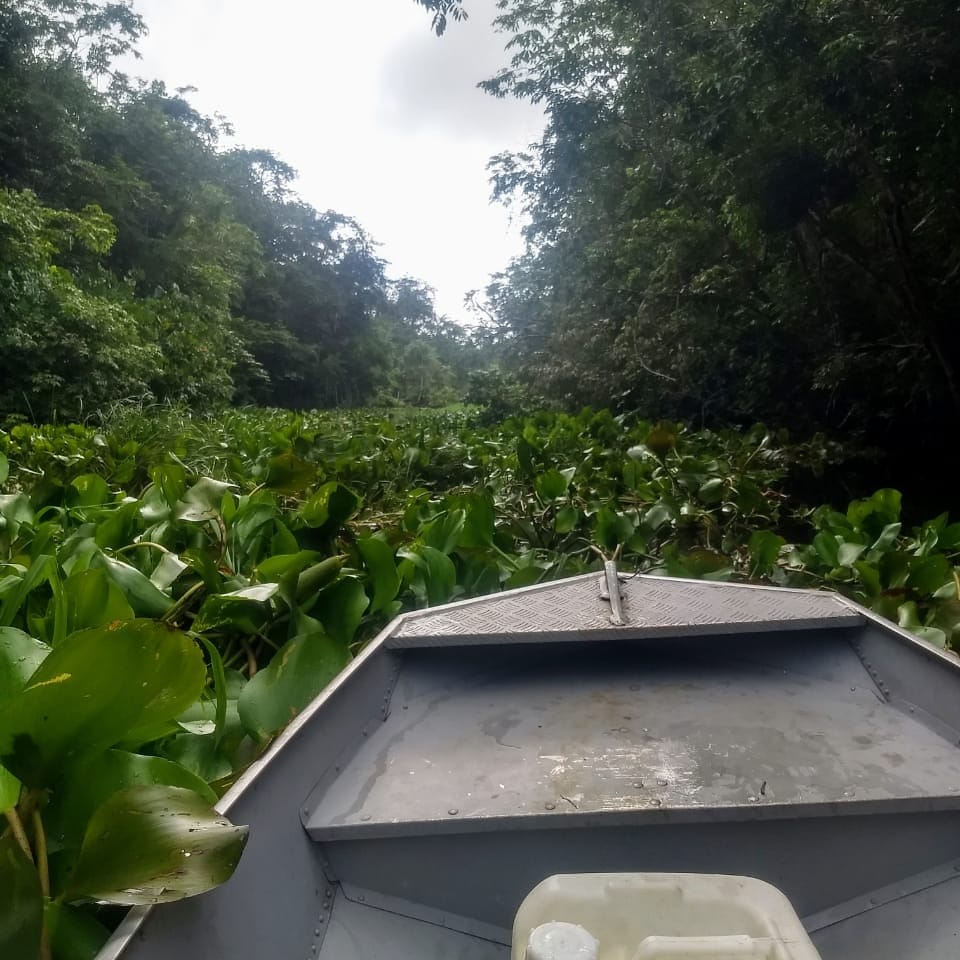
574 610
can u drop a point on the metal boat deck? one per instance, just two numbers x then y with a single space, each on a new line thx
475 749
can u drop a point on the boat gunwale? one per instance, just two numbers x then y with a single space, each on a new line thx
132 923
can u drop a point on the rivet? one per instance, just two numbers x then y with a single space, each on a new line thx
361 899
638 785
316 932
663 783
550 806
328 894
305 812
453 811
365 817
657 803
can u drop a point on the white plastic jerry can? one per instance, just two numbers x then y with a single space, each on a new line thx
635 916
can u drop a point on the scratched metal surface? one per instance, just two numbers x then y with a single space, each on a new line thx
492 739
574 609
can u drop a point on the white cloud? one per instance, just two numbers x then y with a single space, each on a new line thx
382 120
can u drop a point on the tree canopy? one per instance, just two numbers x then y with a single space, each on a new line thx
739 211
146 257
443 10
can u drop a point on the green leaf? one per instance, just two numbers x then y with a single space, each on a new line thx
155 844
42 570
20 656
612 528
297 673
203 501
316 577
443 534
928 574
21 903
330 507
200 755
94 600
86 786
145 599
827 548
887 538
567 519
662 439
15 511
289 474
525 452
341 607
705 563
167 571
949 538
712 490
89 490
4 469
657 516
525 577
240 611
881 509
378 559
850 553
551 485
9 790
95 689
480 520
765 547
274 568
438 574
869 577
74 934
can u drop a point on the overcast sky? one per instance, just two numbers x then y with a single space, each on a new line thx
381 118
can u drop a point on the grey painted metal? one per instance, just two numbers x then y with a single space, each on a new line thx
772 709
575 610
649 732
913 920
359 931
907 887
816 861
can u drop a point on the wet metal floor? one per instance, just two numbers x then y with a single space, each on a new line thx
641 732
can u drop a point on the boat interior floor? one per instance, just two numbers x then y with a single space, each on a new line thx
778 756
411 813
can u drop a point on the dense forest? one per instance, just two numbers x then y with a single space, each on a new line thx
741 211
737 213
742 255
142 260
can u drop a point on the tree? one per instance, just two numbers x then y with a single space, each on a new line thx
64 346
443 9
233 287
738 212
